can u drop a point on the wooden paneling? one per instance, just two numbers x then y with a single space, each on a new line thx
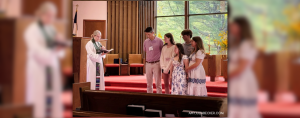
115 102
129 27
7 58
16 111
109 23
214 66
124 32
97 114
89 26
76 93
117 27
76 56
120 39
83 60
29 7
113 29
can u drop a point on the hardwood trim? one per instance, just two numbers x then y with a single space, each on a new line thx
120 39
148 14
93 20
155 14
151 14
109 25
169 16
207 14
117 27
186 13
97 114
113 25
133 27
129 27
126 25
136 27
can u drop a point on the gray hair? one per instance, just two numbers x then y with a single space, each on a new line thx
95 33
45 7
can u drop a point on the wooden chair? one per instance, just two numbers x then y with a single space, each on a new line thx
135 60
109 61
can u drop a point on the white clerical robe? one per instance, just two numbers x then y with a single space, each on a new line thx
92 58
39 56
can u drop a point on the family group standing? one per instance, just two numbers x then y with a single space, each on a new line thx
180 65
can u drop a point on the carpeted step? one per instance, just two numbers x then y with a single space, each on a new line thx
144 90
210 86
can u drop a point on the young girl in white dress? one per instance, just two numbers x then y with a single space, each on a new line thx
197 77
178 74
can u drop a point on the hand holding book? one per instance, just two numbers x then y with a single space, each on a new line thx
106 51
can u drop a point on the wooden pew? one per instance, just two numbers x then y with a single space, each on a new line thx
97 114
16 111
76 93
116 102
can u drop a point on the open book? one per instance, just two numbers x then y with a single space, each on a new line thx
106 51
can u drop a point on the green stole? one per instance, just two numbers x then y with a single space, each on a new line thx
49 43
49 72
98 51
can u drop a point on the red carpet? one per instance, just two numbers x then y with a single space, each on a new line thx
138 83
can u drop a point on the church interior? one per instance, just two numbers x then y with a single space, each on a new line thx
122 24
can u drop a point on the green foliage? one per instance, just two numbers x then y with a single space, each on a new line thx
207 27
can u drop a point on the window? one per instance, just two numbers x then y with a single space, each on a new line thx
207 19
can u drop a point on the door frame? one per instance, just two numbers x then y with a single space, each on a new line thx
94 20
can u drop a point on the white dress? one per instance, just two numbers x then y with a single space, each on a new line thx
179 82
39 56
92 58
243 88
197 77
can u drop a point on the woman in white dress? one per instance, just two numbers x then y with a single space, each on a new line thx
242 87
94 64
167 53
197 77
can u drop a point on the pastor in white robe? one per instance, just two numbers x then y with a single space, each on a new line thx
92 58
39 56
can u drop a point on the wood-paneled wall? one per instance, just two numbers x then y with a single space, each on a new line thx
126 22
122 27
147 13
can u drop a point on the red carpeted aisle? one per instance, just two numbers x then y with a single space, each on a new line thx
138 83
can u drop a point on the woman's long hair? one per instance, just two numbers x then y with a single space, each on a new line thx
181 51
169 35
245 28
199 44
